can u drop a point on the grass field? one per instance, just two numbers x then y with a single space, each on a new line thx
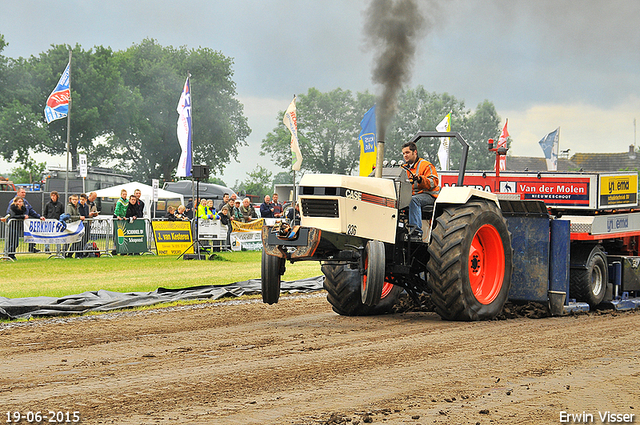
35 275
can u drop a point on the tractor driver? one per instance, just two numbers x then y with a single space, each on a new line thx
426 184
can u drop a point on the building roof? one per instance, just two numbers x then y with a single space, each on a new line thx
607 161
531 163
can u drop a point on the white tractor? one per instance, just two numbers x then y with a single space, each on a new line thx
357 227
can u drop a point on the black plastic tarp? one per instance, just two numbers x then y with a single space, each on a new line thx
23 308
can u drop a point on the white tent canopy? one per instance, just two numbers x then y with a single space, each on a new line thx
145 189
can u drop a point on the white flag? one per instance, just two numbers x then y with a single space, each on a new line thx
290 120
550 145
443 151
184 131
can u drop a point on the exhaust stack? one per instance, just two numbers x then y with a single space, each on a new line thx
379 158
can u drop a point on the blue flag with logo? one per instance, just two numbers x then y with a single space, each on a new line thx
58 101
368 142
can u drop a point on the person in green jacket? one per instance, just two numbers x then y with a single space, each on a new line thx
120 209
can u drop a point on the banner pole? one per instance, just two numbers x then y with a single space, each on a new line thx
66 179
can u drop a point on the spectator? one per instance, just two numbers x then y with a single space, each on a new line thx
22 193
139 203
120 209
73 209
225 201
53 210
293 215
181 214
188 211
247 211
132 208
237 215
17 213
93 208
74 215
278 209
231 205
83 208
266 209
202 209
225 218
171 213
233 197
211 212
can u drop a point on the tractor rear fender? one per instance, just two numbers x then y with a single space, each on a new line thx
458 195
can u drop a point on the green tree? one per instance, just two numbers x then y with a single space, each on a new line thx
328 128
123 107
93 81
420 110
283 177
477 128
31 172
259 182
143 135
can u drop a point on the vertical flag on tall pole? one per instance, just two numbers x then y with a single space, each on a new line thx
184 131
550 145
443 150
290 120
367 141
502 143
58 101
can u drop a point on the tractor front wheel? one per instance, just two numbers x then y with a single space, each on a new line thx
272 269
372 280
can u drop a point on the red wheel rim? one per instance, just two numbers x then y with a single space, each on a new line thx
364 276
386 287
486 264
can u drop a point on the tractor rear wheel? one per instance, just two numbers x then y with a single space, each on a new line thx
589 274
470 261
373 277
272 269
342 284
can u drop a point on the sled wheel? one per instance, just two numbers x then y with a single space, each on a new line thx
470 261
343 292
588 281
272 269
373 277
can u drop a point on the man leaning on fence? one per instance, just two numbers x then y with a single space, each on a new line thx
22 193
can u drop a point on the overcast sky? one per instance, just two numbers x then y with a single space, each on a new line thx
573 64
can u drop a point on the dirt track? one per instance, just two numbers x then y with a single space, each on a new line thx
297 362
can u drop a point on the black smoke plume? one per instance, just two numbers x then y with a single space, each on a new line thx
393 28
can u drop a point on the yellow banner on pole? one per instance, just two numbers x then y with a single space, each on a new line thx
252 226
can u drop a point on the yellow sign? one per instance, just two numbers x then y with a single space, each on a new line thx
618 189
252 226
172 237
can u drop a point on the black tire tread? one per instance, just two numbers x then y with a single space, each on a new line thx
272 269
343 292
446 261
580 277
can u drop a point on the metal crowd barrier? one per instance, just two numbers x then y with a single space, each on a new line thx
98 231
212 234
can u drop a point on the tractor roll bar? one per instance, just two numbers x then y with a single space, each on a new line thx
465 147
